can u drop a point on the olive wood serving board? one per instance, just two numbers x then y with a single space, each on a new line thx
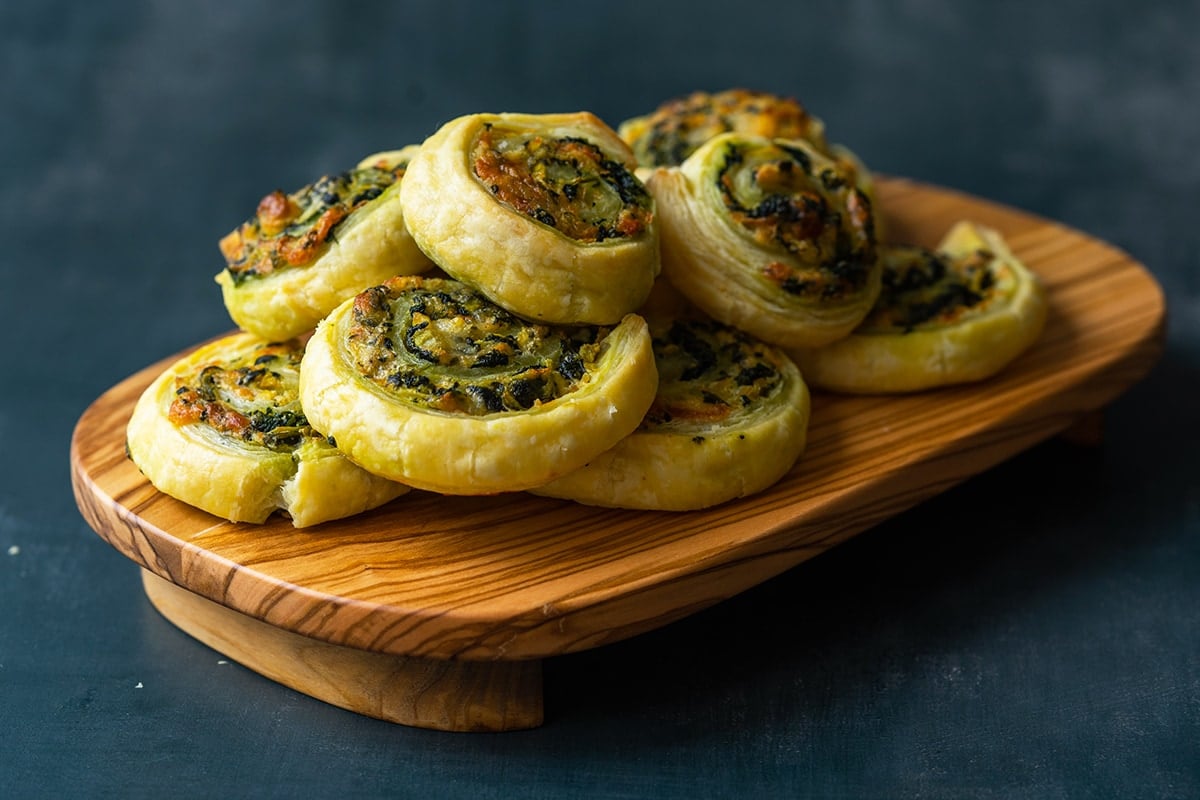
435 611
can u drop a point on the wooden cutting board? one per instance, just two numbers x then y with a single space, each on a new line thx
435 611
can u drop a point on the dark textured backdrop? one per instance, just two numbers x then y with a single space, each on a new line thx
1043 646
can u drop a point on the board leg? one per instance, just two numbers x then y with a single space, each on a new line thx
421 692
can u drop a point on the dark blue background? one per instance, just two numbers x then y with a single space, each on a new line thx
1034 632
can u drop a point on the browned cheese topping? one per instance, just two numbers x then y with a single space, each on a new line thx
567 183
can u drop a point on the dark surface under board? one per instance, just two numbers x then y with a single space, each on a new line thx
1034 632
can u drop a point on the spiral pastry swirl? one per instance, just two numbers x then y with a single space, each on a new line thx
426 381
769 236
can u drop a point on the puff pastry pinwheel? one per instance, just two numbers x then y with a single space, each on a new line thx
668 135
302 254
729 420
770 236
222 430
540 212
954 315
426 381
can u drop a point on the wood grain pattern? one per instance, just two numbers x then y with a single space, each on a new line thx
517 577
422 692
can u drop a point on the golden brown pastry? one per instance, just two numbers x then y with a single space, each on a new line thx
668 135
730 418
769 236
541 213
427 382
303 253
954 315
222 429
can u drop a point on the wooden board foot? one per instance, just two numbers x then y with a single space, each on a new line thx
421 692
